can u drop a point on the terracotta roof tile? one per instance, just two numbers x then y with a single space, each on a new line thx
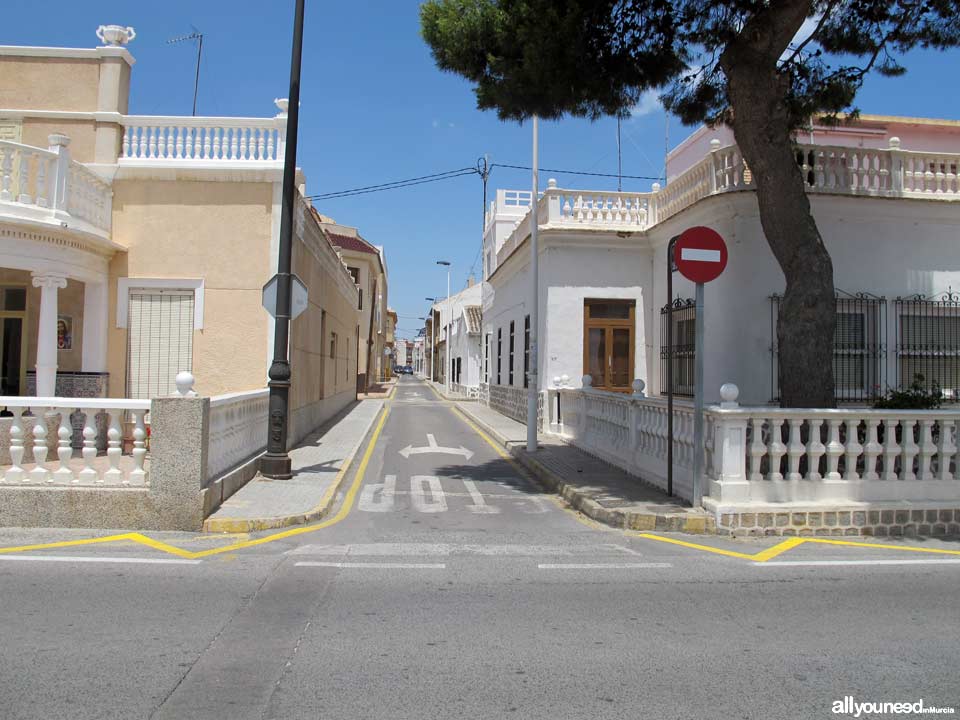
348 242
474 319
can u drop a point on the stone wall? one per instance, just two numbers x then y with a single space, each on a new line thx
512 402
843 522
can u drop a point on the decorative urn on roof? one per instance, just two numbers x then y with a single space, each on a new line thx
115 35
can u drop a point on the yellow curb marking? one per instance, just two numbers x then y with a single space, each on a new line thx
180 552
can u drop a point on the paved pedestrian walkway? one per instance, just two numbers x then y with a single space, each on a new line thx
318 460
597 489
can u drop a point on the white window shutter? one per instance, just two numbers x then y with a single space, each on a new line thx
159 341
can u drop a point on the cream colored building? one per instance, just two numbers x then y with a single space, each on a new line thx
367 265
135 247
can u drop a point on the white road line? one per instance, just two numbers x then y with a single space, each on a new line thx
88 559
828 563
418 485
601 566
479 504
375 566
386 490
621 548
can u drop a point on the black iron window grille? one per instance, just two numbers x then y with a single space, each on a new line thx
499 352
928 342
510 366
859 347
526 351
682 312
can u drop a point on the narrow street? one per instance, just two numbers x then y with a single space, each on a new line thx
449 585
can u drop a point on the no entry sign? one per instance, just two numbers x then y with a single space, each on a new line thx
700 254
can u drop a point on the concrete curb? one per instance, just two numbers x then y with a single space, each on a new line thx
248 525
690 522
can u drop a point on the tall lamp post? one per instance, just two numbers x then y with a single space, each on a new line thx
433 337
449 361
276 463
532 383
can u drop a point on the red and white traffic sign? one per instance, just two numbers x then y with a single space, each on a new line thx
700 254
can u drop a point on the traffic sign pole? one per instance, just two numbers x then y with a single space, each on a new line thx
700 255
698 401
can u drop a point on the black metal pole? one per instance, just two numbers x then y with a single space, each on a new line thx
670 245
276 463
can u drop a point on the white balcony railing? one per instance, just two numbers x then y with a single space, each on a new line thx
38 442
204 140
888 172
46 185
238 429
769 455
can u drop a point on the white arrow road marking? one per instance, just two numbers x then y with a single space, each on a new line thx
700 255
437 502
386 491
433 447
479 504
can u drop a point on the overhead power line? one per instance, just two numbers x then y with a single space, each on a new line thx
436 177
579 172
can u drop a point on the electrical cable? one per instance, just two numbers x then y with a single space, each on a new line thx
578 172
435 177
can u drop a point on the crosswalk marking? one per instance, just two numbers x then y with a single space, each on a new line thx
601 566
479 504
404 549
375 566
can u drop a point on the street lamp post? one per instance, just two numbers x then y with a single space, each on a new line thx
532 381
433 340
275 462
449 361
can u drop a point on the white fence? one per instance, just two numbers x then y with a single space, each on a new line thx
39 439
203 139
769 455
238 429
888 172
45 184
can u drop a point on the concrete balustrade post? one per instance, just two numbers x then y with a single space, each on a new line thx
179 441
554 208
896 166
57 181
729 483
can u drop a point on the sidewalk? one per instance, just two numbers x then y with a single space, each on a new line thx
380 390
597 489
319 465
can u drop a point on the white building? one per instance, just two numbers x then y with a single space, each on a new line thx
883 195
459 347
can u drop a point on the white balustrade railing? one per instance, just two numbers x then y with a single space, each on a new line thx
45 184
887 172
238 429
206 139
771 455
39 438
630 431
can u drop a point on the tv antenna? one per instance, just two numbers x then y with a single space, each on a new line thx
198 36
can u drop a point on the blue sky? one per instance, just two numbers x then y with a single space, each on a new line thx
374 108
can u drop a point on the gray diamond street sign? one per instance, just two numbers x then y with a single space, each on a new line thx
298 296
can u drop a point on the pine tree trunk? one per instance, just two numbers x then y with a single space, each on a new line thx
763 128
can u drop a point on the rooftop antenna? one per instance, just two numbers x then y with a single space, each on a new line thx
198 36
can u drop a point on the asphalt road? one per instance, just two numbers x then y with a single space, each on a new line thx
454 588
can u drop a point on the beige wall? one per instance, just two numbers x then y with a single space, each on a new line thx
215 231
49 83
82 134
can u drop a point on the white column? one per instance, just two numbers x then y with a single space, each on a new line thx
49 284
94 357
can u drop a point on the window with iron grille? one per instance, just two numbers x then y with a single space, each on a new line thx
859 346
928 343
499 352
526 351
510 367
683 314
486 358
